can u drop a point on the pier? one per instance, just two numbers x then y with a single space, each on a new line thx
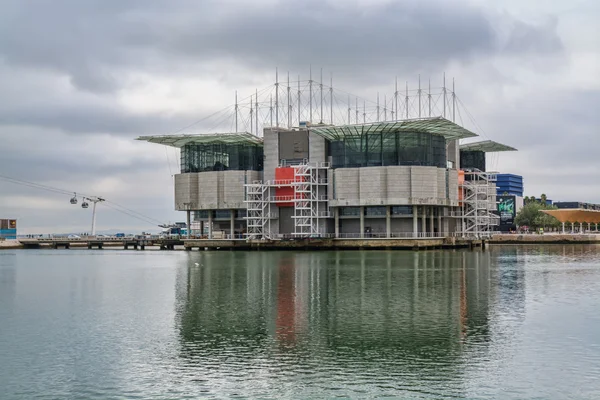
100 243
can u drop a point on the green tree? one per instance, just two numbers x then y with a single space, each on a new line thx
531 215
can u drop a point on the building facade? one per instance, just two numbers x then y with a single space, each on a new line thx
378 180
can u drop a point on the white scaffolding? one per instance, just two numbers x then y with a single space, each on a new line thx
258 211
478 204
310 201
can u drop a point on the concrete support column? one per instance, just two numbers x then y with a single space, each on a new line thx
439 218
424 221
201 228
362 222
415 222
563 228
189 224
232 224
388 222
336 221
431 220
580 227
210 223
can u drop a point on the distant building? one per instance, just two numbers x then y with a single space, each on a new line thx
509 184
8 229
576 204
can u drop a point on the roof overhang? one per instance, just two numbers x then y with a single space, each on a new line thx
213 138
575 215
435 125
487 146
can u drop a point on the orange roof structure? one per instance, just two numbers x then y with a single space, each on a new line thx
575 215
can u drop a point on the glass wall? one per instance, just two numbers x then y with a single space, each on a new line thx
470 159
389 148
221 157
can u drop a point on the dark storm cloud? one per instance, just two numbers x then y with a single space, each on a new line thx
91 40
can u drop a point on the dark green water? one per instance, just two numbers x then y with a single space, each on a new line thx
508 323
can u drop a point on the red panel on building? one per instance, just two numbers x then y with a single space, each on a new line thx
285 191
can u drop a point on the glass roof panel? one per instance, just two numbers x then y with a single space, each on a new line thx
487 146
225 138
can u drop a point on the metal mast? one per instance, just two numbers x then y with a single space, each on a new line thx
331 99
271 109
251 124
406 100
364 112
453 102
299 108
310 82
289 107
94 200
256 108
429 97
377 106
444 95
419 91
356 110
276 97
349 109
396 99
385 107
321 87
236 112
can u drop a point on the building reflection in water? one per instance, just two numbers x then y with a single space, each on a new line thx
417 311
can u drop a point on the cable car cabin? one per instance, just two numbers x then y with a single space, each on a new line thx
84 205
74 200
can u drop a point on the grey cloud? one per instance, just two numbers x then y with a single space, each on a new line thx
88 39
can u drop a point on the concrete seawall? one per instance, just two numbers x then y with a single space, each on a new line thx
545 239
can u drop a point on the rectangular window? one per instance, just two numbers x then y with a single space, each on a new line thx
375 211
402 210
222 213
350 211
201 214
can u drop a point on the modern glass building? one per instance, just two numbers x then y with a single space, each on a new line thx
509 184
391 179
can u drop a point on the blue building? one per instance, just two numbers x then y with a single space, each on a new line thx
8 229
509 184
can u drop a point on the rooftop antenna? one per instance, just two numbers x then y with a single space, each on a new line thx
321 87
310 82
276 97
236 112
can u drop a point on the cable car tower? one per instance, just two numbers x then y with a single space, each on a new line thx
85 204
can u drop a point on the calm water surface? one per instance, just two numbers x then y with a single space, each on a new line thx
509 323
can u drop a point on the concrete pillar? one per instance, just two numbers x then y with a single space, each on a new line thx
439 217
580 227
563 228
189 224
424 221
232 224
336 221
362 222
431 221
415 222
388 222
210 223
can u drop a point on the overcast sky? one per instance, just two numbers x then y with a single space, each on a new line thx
79 80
